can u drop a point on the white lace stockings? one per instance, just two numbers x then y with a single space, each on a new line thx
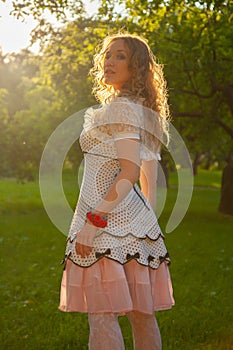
146 332
105 332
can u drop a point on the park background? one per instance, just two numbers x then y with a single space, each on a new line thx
193 39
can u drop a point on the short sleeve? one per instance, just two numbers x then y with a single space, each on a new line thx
123 119
147 154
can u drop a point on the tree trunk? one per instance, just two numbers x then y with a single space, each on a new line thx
196 162
226 201
208 161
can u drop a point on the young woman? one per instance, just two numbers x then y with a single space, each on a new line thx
116 262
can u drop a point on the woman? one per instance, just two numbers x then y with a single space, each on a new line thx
116 262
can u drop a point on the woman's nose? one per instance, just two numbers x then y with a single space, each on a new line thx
109 62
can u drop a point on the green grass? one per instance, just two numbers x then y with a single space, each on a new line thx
31 249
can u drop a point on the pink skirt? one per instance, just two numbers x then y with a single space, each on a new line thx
108 286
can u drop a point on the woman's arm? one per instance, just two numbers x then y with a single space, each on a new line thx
148 180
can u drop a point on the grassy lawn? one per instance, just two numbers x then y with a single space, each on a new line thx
31 249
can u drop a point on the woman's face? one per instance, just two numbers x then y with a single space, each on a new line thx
116 64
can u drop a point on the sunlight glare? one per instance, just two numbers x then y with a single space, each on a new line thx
15 33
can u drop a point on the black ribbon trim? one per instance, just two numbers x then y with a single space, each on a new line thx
64 261
99 255
139 195
135 256
71 239
165 258
150 258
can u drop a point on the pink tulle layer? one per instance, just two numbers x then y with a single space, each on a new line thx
108 286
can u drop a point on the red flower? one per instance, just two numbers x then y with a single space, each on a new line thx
97 220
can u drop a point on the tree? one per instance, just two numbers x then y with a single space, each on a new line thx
37 8
65 67
39 92
4 118
194 41
17 78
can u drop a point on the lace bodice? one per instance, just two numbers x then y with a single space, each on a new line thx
124 119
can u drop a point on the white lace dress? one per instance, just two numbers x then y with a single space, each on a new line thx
128 266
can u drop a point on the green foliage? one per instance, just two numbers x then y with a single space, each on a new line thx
66 62
4 119
38 7
192 39
39 92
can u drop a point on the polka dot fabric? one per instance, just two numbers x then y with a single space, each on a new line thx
132 231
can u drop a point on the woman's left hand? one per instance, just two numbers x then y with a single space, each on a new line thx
85 239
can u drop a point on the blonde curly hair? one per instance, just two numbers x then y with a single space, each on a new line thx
147 80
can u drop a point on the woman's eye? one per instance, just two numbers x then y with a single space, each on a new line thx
107 56
121 57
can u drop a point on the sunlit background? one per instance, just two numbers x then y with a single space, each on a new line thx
40 88
15 33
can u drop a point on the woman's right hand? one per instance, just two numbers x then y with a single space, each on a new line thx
84 240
